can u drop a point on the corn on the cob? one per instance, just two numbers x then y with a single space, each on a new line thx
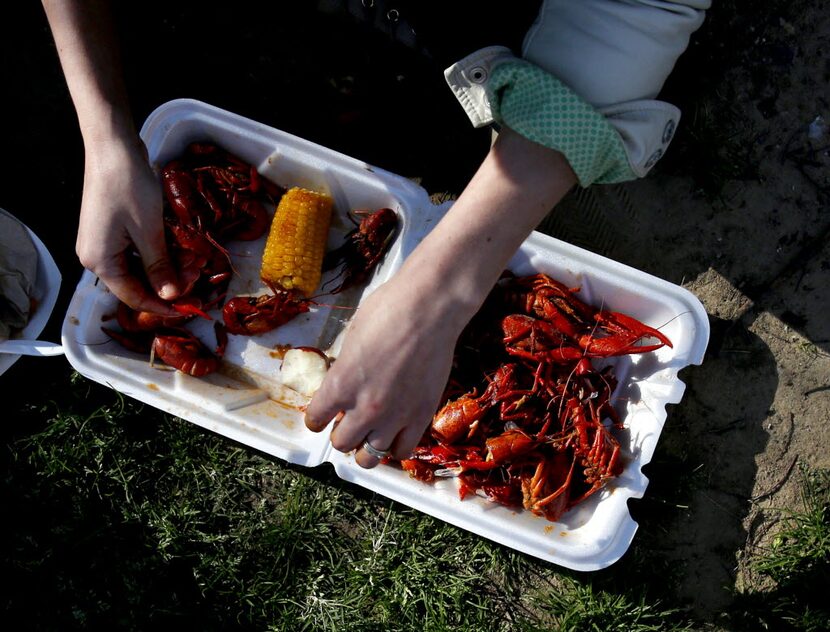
293 257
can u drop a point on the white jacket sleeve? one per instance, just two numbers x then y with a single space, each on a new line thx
614 54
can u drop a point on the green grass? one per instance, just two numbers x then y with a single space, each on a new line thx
193 525
123 517
798 563
578 606
803 544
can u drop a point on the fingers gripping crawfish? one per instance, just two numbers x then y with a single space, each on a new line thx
132 321
540 435
211 196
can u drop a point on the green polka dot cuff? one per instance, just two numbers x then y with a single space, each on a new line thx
538 106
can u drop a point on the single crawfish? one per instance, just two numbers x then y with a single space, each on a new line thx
175 346
183 351
181 190
364 247
459 418
622 333
547 492
612 334
134 321
253 315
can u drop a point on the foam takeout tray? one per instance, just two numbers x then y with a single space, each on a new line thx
247 403
45 294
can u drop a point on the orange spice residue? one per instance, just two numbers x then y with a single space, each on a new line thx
279 351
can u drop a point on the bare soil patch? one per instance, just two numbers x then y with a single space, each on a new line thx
738 214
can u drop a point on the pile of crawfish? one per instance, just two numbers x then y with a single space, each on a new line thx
527 419
213 197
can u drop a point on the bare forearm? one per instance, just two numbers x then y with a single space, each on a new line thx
518 183
85 38
121 208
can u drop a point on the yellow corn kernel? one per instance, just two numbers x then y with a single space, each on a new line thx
293 257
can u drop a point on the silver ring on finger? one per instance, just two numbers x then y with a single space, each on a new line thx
372 450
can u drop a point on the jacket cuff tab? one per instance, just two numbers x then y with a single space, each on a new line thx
468 80
541 108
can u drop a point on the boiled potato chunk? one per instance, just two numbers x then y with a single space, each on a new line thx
303 370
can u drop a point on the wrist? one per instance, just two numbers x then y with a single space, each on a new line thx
115 149
439 288
453 269
109 128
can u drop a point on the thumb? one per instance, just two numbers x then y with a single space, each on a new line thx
323 408
160 271
162 277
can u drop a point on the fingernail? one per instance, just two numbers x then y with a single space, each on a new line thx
309 422
168 291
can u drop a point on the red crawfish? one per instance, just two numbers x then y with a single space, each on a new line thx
217 192
175 346
254 315
540 435
363 248
185 352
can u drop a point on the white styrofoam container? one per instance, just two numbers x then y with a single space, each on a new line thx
46 289
259 412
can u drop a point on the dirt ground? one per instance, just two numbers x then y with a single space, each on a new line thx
754 249
737 213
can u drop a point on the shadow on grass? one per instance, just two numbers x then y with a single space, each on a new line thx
701 479
797 562
123 517
70 558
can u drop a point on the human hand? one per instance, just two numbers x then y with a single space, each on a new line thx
387 382
121 212
388 379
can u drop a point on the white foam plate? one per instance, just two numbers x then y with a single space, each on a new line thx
47 286
258 411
